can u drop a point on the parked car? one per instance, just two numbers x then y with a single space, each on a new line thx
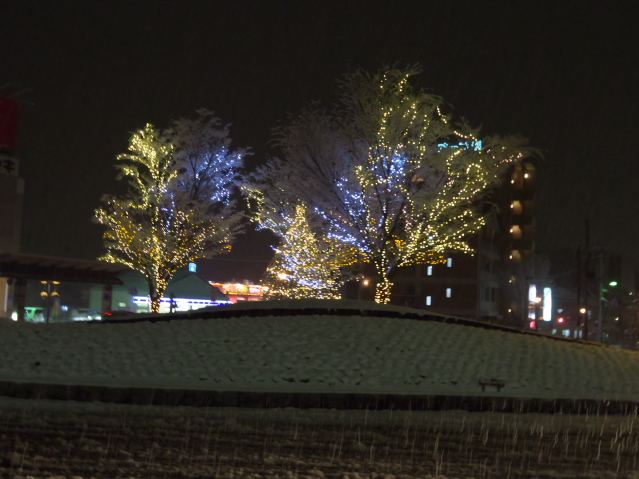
85 314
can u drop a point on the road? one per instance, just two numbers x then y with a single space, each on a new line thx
58 439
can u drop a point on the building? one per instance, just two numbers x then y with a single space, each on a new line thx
242 292
185 292
11 195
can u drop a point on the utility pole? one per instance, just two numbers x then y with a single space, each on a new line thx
587 280
579 282
600 292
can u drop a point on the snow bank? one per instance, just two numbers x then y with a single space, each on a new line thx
315 353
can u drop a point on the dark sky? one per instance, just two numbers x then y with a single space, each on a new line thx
562 73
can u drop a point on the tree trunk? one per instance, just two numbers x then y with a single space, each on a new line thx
384 285
156 292
155 304
383 291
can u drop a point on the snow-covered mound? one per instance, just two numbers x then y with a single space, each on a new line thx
316 353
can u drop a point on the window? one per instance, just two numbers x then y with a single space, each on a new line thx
516 207
429 300
449 262
429 270
516 232
487 264
449 292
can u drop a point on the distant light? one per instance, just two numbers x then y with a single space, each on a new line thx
613 283
533 325
192 267
547 307
582 310
365 282
560 320
282 276
617 318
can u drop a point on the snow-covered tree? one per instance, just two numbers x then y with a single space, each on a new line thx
386 171
307 264
178 206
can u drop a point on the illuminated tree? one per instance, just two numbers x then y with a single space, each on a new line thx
387 172
308 264
178 207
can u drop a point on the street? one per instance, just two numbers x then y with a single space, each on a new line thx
46 439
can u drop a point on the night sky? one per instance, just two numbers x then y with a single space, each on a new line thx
562 73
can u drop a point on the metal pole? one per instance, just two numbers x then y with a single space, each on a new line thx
600 322
578 288
587 281
46 320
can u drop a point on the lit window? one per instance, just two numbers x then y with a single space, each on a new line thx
429 300
449 262
449 292
429 271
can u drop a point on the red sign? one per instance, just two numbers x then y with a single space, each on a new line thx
8 124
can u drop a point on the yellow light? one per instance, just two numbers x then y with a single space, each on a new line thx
582 310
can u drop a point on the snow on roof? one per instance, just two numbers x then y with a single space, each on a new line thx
316 353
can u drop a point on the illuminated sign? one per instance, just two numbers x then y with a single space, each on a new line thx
547 311
181 304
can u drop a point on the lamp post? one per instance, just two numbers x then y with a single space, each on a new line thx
582 322
603 290
48 295
365 282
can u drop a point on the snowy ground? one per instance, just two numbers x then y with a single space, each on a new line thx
315 353
55 439
319 352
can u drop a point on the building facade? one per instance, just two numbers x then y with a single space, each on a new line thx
494 283
11 194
